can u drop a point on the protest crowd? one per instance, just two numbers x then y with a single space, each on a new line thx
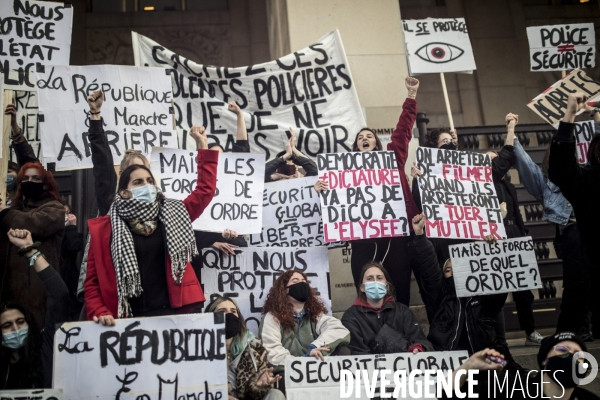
152 250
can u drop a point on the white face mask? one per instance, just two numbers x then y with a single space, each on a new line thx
145 193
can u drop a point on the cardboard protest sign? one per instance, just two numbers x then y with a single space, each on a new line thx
249 275
552 103
321 380
33 394
481 268
365 197
562 47
291 215
310 90
26 103
458 195
436 45
33 34
237 204
155 358
136 111
584 132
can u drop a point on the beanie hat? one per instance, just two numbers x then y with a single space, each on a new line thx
550 341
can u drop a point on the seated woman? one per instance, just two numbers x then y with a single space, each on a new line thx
248 374
295 323
26 351
377 323
139 255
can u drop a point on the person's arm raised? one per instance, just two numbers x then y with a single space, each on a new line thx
23 150
242 133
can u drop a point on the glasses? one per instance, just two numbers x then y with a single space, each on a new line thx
34 178
447 141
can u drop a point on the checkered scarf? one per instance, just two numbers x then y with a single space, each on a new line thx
181 242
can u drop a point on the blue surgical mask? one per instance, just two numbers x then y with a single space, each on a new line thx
15 339
11 182
375 290
144 193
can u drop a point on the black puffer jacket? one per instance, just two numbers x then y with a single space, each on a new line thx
391 329
450 314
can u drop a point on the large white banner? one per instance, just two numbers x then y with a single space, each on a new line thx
306 378
436 45
33 34
26 103
365 198
249 275
172 357
291 214
32 394
458 194
481 268
136 112
562 47
237 204
310 90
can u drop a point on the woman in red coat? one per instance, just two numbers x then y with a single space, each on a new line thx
140 253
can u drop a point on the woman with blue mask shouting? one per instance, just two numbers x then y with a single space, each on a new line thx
140 253
26 352
377 323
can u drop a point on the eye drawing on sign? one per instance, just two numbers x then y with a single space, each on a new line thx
439 52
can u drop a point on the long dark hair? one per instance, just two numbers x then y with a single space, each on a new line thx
29 354
378 145
126 176
50 185
391 291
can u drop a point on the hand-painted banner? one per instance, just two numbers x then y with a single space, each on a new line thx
584 132
321 380
237 204
33 34
172 357
26 103
438 45
365 197
458 195
32 394
310 90
249 275
562 47
136 111
552 103
481 268
291 215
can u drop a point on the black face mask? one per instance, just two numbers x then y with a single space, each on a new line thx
449 283
561 370
449 146
232 325
32 190
299 291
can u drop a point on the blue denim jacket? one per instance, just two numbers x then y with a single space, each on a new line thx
557 209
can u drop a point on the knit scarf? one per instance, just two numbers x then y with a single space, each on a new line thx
181 243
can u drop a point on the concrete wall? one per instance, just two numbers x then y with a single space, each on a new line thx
502 82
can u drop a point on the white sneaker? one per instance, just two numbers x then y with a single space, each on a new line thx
535 339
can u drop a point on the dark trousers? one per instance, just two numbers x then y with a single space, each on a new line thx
393 254
524 303
576 281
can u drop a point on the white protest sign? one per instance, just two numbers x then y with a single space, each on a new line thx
237 204
458 194
26 103
584 132
155 358
321 380
33 34
481 268
291 214
562 47
365 197
552 102
33 394
249 275
136 111
436 45
310 90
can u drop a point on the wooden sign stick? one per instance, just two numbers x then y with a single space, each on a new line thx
447 101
